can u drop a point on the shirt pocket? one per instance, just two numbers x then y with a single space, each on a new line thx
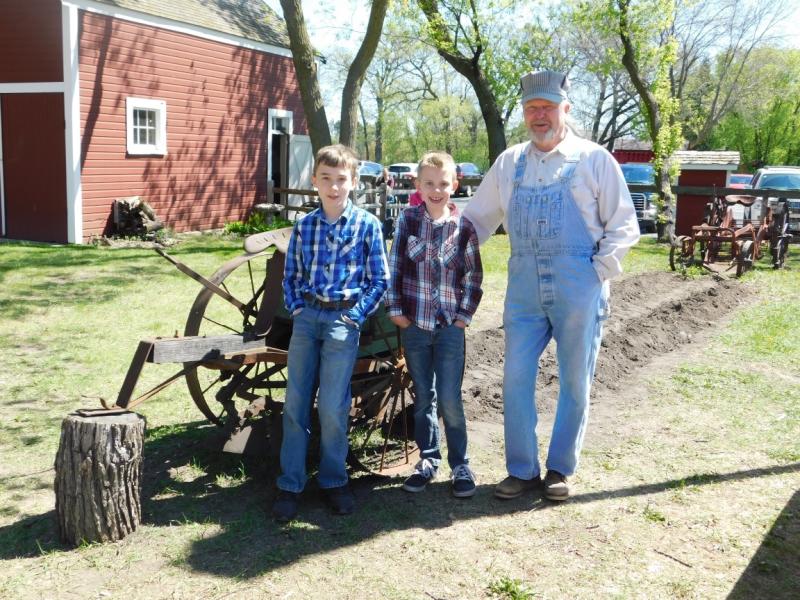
416 248
549 215
450 256
348 251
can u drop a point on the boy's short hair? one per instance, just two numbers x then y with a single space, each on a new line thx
438 160
337 155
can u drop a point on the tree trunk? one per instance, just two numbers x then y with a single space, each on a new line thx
98 476
470 68
305 66
358 70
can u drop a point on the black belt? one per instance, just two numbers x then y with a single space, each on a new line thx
312 300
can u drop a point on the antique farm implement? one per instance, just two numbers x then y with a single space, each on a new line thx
234 350
733 233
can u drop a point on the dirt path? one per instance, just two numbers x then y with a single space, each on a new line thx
652 314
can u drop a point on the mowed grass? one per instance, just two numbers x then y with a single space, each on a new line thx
693 494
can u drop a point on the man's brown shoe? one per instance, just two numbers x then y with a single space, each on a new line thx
555 486
513 487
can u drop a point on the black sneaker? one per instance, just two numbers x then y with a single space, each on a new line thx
284 509
463 482
340 499
424 473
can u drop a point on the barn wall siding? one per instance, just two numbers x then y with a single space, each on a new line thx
217 99
30 41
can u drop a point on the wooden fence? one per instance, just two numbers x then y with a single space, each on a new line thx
384 202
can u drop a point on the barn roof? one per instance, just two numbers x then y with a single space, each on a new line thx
249 19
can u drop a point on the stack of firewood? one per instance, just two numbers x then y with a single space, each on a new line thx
134 217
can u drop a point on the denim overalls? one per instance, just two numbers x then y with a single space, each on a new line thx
553 292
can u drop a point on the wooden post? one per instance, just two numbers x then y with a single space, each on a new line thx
98 475
382 201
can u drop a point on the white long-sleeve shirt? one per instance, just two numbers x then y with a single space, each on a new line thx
598 188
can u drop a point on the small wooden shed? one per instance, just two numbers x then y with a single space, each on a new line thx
192 104
702 168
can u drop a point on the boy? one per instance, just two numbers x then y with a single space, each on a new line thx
435 288
336 274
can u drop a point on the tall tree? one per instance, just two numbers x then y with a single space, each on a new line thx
484 41
639 47
304 60
644 30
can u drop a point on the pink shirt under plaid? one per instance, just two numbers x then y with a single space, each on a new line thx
435 268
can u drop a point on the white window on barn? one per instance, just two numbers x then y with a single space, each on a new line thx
146 124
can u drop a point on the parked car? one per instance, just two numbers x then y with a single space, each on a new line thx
780 178
368 174
740 180
473 175
371 169
404 175
644 202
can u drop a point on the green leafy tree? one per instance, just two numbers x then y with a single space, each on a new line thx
491 43
644 29
763 127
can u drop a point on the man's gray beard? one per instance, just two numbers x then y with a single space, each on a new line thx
542 138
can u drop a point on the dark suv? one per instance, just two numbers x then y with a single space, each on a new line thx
644 202
473 176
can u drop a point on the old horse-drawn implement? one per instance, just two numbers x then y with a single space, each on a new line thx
234 350
732 234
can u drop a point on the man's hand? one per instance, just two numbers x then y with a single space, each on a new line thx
460 323
401 321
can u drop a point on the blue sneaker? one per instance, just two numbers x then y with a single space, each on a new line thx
463 482
424 473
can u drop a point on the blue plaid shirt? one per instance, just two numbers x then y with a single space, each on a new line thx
343 260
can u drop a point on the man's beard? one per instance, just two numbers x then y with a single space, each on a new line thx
542 138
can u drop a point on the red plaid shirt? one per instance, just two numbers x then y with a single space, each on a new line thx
435 268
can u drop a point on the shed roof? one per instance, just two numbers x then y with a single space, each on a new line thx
249 19
707 159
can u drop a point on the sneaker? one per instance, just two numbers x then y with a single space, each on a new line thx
513 487
284 509
555 486
463 482
424 473
340 499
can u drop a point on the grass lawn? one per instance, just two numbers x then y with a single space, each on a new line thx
726 418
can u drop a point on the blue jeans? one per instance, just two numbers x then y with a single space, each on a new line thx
435 360
324 348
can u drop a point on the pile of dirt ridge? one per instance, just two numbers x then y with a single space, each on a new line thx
651 314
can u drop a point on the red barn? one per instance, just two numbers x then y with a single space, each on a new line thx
191 104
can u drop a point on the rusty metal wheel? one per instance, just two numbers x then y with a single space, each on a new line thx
234 396
744 258
223 392
680 256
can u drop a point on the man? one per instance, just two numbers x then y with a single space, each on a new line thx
570 220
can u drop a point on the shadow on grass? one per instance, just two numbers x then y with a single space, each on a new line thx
76 275
188 481
774 570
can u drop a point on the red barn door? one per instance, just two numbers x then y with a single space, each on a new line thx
34 167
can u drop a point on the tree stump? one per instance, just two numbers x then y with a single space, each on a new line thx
98 475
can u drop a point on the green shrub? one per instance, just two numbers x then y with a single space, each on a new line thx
255 224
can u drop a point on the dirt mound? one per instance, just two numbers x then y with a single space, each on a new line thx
651 314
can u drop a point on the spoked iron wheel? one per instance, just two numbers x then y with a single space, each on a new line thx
744 258
680 255
381 424
228 391
232 395
780 238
